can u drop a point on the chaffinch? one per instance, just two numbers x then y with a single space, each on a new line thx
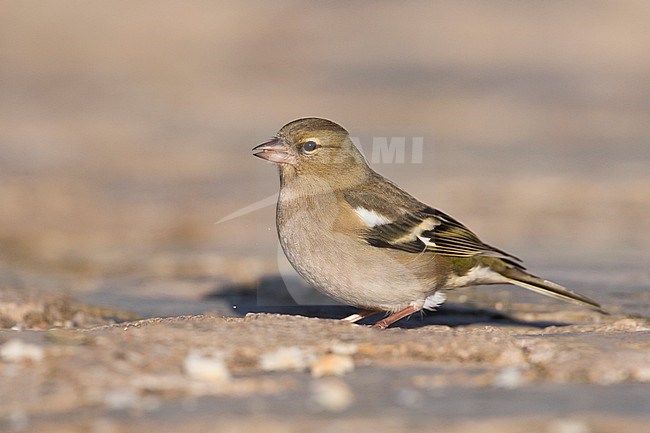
360 239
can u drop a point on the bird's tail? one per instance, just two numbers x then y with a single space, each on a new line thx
524 279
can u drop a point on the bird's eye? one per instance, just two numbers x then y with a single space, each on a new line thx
309 146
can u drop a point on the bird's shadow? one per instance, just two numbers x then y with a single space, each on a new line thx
278 295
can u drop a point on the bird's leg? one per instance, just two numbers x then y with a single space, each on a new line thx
353 318
385 323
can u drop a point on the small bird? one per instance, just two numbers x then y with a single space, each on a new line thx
360 239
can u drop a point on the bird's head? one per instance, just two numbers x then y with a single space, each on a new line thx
314 147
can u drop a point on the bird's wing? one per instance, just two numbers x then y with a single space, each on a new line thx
411 226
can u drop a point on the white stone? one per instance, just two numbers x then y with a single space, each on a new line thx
509 378
285 358
16 350
208 367
332 395
340 348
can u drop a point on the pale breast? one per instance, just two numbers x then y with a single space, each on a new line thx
319 240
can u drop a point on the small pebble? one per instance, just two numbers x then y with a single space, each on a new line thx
608 376
332 395
568 426
628 325
331 365
209 367
340 348
16 350
642 374
508 378
285 359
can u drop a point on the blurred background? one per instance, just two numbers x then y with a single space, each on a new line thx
126 130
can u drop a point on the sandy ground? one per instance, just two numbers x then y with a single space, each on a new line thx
209 373
125 135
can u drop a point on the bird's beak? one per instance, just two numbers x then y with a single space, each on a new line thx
274 151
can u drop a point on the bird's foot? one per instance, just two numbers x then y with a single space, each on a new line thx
385 323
